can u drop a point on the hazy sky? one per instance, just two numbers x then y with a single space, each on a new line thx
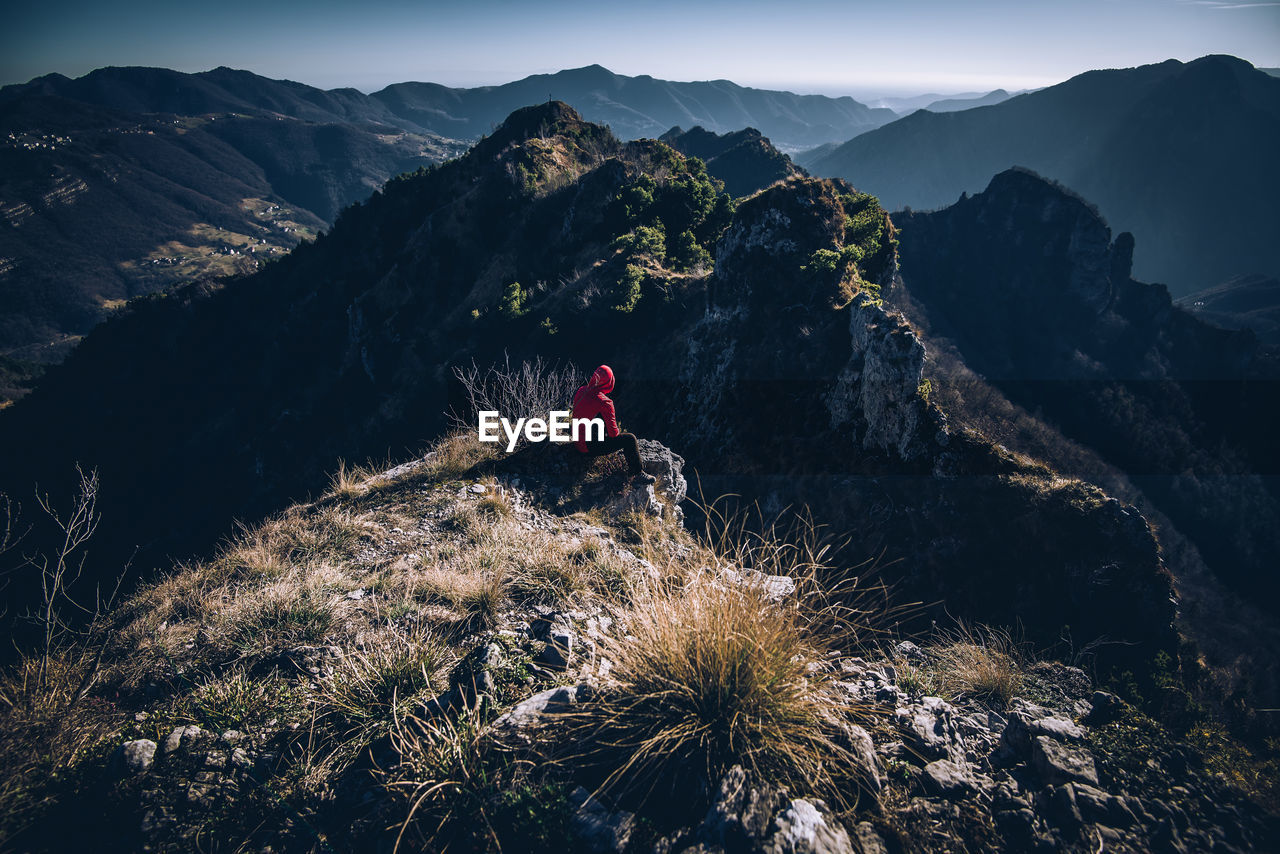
858 47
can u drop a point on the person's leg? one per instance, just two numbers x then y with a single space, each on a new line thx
630 447
631 450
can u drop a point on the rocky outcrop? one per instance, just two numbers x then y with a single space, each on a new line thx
784 337
1058 767
879 388
798 388
562 478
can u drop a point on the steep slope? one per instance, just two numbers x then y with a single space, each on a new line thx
1050 314
102 205
744 160
1177 154
342 348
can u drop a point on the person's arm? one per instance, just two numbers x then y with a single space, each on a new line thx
610 419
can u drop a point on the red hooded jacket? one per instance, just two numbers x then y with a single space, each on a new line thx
591 401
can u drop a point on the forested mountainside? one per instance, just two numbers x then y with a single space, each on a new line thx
105 202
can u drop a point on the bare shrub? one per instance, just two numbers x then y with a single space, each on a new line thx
528 390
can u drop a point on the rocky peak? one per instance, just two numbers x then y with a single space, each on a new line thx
547 119
745 159
760 259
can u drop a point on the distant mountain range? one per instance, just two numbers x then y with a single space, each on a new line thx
127 180
1245 302
633 107
952 105
1182 155
939 103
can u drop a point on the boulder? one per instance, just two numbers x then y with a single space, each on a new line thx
542 707
945 779
751 815
807 827
930 726
1056 762
1103 708
139 755
599 829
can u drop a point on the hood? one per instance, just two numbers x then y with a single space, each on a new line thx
601 380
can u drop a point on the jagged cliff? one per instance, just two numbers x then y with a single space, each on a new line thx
1106 379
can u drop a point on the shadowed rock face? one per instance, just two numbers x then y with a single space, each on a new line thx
790 400
1024 281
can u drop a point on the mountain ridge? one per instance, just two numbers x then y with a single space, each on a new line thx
1155 147
793 121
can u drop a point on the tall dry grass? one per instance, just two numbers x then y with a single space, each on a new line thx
710 676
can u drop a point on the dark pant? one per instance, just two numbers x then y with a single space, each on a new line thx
625 442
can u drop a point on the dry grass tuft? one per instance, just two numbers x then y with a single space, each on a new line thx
708 676
278 616
979 662
458 454
495 506
467 520
377 682
478 595
349 482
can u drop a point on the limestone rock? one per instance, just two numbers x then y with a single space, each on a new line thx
944 778
543 706
807 827
1060 763
931 726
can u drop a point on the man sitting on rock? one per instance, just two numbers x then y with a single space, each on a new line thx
592 401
